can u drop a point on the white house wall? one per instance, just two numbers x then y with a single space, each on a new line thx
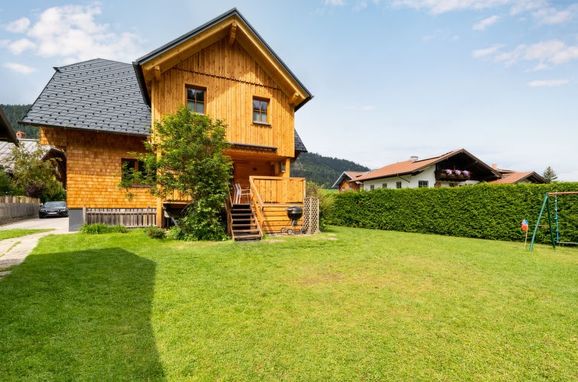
406 181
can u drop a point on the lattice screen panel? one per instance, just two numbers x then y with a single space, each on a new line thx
311 215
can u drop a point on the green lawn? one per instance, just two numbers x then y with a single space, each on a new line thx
353 304
18 232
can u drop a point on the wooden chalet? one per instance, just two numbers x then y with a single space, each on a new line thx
347 181
100 112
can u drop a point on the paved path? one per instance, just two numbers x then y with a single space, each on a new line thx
14 251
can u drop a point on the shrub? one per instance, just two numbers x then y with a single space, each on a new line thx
99 228
156 232
481 211
175 233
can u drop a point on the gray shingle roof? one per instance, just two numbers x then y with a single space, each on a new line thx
299 145
97 95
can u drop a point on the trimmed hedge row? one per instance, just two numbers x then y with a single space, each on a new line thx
481 211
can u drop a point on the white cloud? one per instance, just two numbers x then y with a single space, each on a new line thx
334 2
444 6
72 33
544 54
486 52
522 6
541 10
18 26
19 68
19 46
547 83
485 23
550 16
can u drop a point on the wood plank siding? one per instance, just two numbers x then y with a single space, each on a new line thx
93 167
231 78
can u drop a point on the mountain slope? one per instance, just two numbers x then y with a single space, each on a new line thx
15 113
321 169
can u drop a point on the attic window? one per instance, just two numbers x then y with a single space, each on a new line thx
196 99
260 108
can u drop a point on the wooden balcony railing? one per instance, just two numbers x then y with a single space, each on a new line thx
278 190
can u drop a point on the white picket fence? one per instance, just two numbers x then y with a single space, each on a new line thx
14 208
128 217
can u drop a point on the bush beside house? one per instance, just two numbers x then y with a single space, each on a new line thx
482 211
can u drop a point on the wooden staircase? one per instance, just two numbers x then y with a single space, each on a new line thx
244 225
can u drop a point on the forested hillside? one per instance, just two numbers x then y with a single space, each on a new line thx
322 170
15 113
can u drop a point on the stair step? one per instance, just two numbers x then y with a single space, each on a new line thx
244 225
247 237
254 230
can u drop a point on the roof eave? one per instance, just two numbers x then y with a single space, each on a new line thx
141 83
134 134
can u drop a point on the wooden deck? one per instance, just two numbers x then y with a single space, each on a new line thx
272 196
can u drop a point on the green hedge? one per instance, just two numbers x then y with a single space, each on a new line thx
480 211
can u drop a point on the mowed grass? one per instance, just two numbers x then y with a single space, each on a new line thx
352 305
18 232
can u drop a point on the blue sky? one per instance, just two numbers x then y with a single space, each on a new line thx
391 78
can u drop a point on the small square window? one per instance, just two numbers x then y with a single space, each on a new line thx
260 110
423 184
372 187
384 185
397 184
130 168
196 100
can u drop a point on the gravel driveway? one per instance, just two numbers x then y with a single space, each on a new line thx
14 251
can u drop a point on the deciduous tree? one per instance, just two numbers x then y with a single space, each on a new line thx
186 154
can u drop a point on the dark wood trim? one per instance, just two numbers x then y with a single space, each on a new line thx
245 146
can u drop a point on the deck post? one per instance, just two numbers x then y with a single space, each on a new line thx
160 220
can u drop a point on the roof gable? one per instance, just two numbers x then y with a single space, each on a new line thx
233 27
348 176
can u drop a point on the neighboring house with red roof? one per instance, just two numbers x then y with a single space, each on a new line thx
347 181
452 169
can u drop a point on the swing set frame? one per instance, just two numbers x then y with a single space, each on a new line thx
554 236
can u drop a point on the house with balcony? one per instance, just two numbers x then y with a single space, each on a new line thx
99 113
453 169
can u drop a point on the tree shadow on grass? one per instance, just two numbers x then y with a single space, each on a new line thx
77 316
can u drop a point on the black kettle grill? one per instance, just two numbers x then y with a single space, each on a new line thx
294 213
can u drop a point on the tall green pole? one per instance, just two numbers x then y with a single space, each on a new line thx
544 203
556 219
550 224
